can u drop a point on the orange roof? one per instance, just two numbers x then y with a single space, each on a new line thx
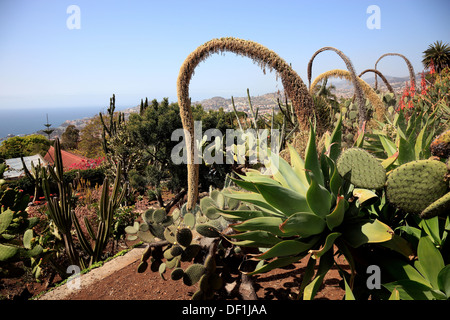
68 159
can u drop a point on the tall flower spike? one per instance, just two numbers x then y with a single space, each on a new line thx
265 58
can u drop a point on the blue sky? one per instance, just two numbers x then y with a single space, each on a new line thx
135 48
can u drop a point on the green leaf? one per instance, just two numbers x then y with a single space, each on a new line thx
348 291
444 280
430 259
357 234
286 175
284 200
304 224
278 263
325 264
335 218
335 140
259 238
311 158
256 199
288 248
388 145
269 224
298 165
318 198
241 214
365 196
329 242
431 227
395 295
412 290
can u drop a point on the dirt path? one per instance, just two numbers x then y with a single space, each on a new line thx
119 280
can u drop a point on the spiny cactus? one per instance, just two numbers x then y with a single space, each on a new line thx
363 169
265 58
438 207
353 77
412 76
415 185
440 147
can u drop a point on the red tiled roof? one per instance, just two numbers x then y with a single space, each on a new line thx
68 159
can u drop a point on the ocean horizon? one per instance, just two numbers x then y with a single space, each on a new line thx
30 120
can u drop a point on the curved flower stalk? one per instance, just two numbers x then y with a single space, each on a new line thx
412 77
388 85
366 88
265 58
353 78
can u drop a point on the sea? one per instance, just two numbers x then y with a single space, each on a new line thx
28 121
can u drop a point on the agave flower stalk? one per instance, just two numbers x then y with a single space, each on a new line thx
412 77
265 58
353 78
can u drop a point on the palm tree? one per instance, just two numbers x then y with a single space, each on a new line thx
438 53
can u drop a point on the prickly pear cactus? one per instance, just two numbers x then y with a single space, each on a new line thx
415 185
361 168
440 206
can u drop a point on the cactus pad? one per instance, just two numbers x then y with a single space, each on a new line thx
184 236
438 207
415 185
193 274
363 169
177 274
207 230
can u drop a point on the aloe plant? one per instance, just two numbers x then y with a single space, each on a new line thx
304 209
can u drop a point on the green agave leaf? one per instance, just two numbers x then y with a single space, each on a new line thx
298 165
388 145
325 264
311 159
288 248
395 295
335 218
259 237
256 199
327 246
284 200
286 175
365 196
304 224
400 269
444 280
318 198
412 290
241 214
335 140
335 182
357 234
431 227
278 263
348 291
389 161
269 224
400 245
430 259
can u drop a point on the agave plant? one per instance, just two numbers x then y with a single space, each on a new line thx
308 207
